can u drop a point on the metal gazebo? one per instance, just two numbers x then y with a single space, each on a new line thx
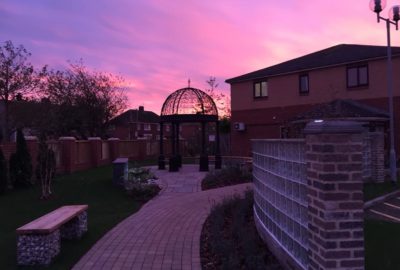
188 105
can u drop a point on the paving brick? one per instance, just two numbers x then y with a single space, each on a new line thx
164 233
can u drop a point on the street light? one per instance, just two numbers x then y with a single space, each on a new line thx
394 16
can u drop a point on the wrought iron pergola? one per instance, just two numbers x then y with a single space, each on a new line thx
188 105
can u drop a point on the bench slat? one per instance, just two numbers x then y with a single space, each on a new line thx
53 220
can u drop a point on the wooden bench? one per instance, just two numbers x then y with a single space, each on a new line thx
39 241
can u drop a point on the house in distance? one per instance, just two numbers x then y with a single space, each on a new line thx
136 124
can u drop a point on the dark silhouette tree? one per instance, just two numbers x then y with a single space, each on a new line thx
21 163
17 77
90 99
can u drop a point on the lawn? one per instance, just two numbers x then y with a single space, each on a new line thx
107 207
382 243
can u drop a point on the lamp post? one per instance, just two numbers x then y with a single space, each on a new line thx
394 16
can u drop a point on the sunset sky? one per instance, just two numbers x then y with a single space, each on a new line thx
156 45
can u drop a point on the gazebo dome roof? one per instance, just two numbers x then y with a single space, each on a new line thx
189 101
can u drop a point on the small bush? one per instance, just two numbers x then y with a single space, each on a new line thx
3 173
21 163
141 184
144 193
228 176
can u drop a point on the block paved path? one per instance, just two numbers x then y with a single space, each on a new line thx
165 232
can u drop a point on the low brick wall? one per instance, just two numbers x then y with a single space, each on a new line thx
76 155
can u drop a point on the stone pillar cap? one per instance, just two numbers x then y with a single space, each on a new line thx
67 138
113 139
31 138
94 139
332 127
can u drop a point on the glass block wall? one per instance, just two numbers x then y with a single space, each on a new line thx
280 194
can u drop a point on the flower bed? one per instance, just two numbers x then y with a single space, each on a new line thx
231 175
229 238
141 184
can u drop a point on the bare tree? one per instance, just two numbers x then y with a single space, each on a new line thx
221 100
46 167
17 77
90 99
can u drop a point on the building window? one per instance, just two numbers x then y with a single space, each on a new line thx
304 86
167 128
137 126
357 76
147 127
148 136
260 89
158 127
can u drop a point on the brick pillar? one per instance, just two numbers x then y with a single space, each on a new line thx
335 194
68 153
95 151
367 158
114 148
377 157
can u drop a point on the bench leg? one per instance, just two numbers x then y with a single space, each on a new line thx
75 228
37 249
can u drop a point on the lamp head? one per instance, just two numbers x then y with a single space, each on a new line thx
394 13
377 5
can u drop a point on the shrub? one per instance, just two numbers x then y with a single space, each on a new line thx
140 184
229 239
143 193
3 173
228 176
46 167
21 163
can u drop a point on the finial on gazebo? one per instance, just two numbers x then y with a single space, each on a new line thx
189 83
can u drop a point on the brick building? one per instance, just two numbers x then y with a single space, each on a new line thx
136 124
141 124
265 101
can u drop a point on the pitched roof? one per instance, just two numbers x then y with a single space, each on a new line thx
133 116
341 108
332 56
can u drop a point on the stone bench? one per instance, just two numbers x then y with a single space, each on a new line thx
38 242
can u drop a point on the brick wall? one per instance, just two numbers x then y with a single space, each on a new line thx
73 155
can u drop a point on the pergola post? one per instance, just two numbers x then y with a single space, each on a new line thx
172 160
178 155
218 159
203 156
161 158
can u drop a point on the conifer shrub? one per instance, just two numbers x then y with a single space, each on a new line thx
3 173
21 163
